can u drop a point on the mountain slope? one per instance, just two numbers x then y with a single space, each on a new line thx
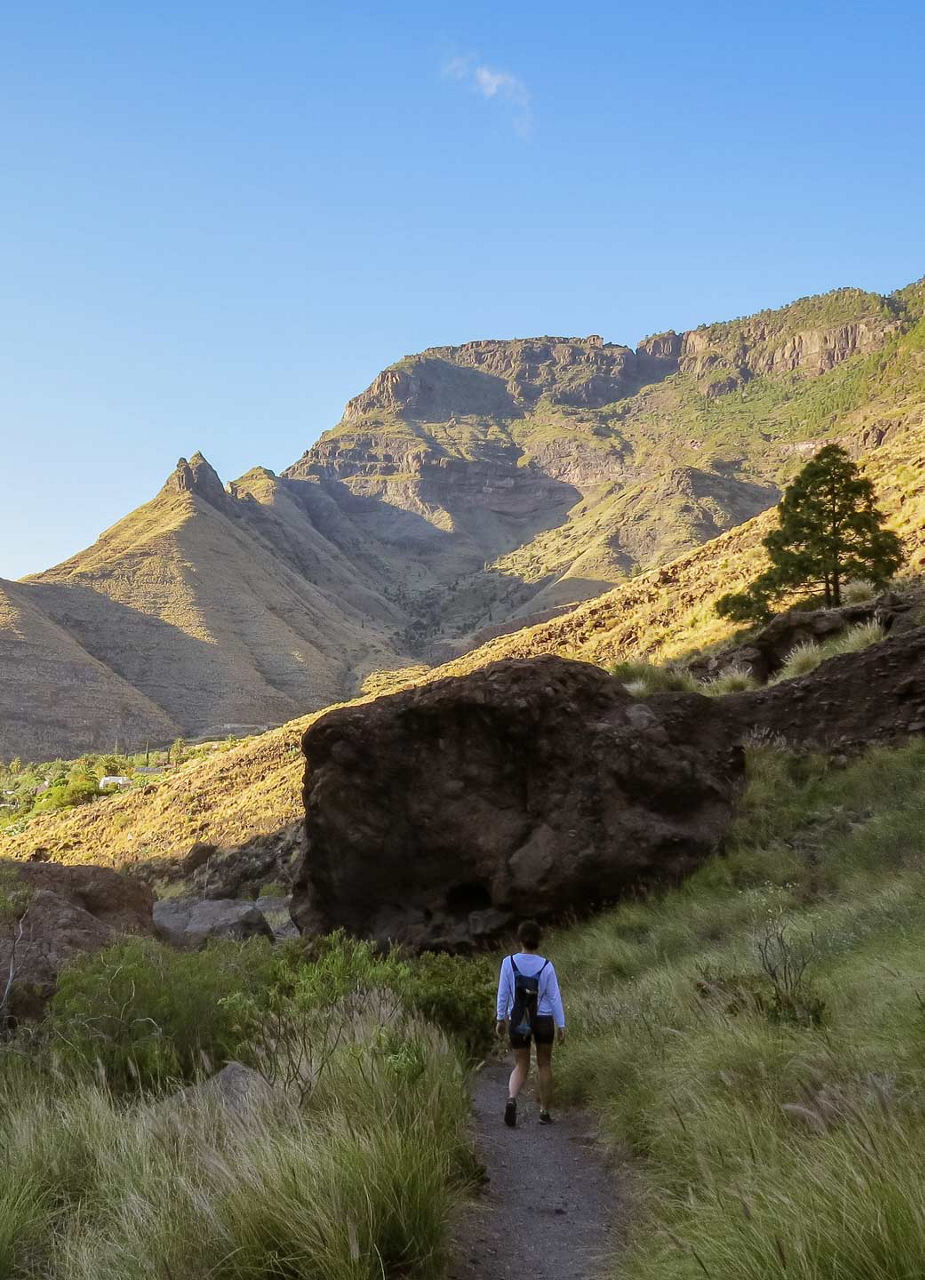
48 681
467 488
223 610
534 473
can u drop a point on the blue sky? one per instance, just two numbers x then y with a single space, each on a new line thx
219 221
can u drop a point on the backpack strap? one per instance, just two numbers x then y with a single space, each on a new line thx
514 968
542 967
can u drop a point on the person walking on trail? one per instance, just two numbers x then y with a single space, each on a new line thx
530 1009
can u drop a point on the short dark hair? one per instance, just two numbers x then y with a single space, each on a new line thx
529 934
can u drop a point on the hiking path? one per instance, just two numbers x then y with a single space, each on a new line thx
549 1206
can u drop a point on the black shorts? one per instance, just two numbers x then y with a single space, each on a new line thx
544 1032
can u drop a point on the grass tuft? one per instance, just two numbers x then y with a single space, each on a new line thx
806 657
732 680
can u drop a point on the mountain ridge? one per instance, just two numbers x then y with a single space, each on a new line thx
466 487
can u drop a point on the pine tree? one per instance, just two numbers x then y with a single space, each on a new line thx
830 530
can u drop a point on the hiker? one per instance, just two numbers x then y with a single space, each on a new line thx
530 1006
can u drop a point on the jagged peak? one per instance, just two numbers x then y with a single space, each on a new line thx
199 477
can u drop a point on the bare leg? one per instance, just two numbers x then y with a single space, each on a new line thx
520 1073
544 1074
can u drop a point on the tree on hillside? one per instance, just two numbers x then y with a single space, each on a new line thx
830 530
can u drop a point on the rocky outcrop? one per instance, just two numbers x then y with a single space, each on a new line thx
199 477
276 910
723 357
235 871
500 378
877 695
192 922
236 1089
766 652
53 913
437 816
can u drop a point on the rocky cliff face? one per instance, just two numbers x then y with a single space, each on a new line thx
500 378
809 353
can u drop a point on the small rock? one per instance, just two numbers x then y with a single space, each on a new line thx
276 913
191 922
235 1087
198 855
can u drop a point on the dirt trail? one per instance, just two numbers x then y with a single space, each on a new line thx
549 1204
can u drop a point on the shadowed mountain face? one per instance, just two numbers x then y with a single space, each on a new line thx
467 488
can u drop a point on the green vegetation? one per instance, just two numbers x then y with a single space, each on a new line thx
28 790
830 530
756 1039
817 311
148 1015
859 590
733 680
346 1167
644 678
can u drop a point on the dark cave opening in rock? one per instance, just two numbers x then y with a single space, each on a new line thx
463 898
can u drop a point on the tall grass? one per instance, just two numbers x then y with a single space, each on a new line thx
359 1184
770 1143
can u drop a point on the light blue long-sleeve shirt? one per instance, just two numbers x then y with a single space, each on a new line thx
549 1002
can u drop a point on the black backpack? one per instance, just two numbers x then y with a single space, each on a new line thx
526 995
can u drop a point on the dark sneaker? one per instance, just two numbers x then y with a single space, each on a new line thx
546 1118
510 1113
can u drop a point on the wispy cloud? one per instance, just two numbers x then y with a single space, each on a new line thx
498 86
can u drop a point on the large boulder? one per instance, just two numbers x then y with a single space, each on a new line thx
50 913
437 815
192 922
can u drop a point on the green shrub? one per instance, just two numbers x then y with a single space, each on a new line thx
806 657
854 639
295 1024
800 661
67 795
858 590
456 994
149 1014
